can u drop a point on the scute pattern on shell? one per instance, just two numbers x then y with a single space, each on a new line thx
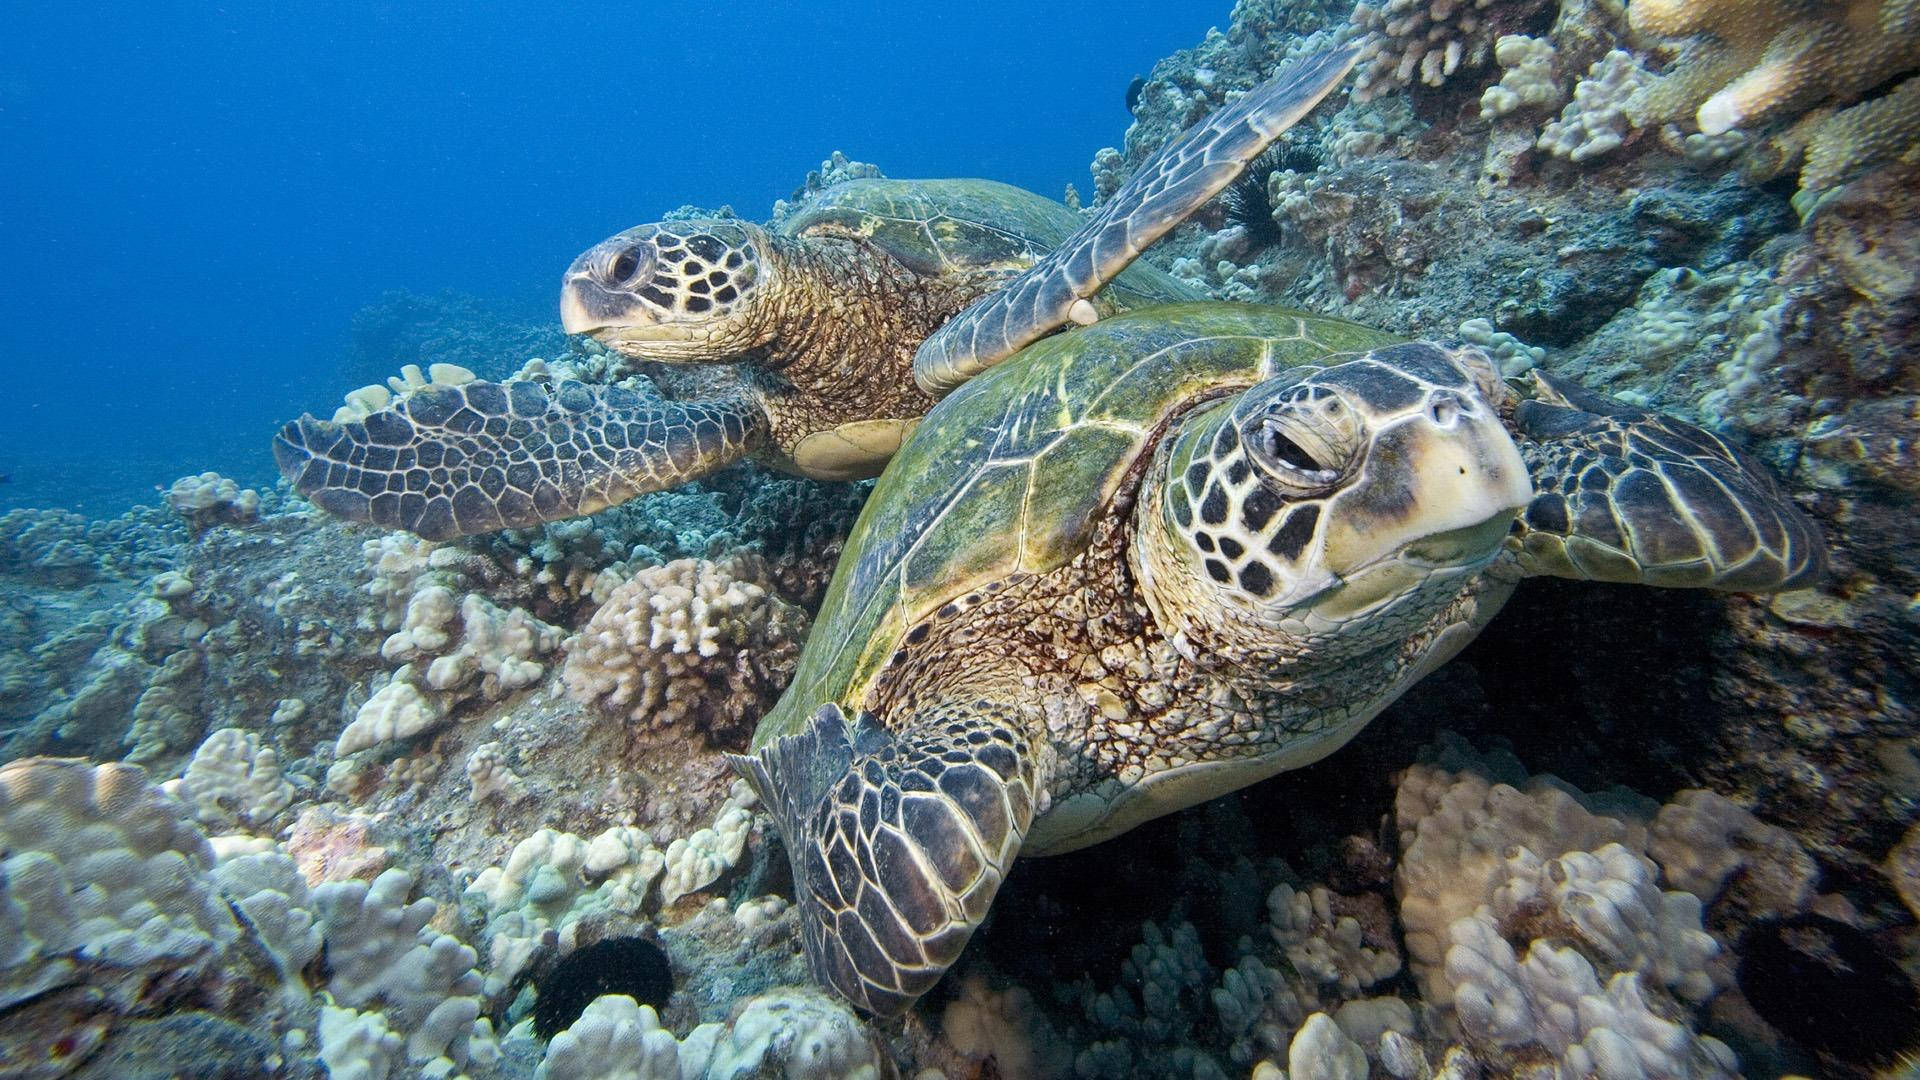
1011 471
954 227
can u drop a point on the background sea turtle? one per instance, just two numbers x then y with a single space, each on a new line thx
817 321
1157 559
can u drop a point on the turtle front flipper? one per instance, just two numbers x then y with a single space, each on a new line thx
1175 182
898 840
455 460
1630 496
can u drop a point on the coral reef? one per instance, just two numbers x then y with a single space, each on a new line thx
1742 64
352 799
689 642
211 499
1425 41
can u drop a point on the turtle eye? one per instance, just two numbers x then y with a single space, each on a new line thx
627 265
1289 461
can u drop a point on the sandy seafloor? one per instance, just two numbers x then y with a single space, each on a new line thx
350 796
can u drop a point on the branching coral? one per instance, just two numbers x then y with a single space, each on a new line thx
1600 115
381 954
210 499
1428 40
233 780
794 1033
1830 145
691 639
1748 62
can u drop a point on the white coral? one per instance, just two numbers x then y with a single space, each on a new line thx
688 638
381 954
211 499
697 861
499 647
372 398
490 776
1607 902
552 880
1321 1051
232 779
1513 356
1702 840
102 876
1330 949
799 1034
614 1038
471 641
794 1033
1528 81
357 1045
1456 830
397 711
1601 115
267 886
1552 998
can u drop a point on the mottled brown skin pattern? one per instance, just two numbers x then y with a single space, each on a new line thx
852 316
1122 700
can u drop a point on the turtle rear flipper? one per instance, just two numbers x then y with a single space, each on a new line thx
898 840
1629 496
455 460
1175 182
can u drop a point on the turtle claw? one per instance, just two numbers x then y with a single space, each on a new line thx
478 457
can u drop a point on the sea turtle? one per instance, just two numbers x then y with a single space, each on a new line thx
816 322
1153 560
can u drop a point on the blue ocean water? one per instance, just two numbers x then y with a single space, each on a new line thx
196 198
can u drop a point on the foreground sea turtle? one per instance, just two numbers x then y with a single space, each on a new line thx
1156 559
817 322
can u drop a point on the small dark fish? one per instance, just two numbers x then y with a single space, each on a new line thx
1134 88
6 478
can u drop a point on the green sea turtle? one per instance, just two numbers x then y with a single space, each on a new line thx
1153 560
814 326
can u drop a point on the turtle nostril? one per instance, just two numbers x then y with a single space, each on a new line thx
1444 406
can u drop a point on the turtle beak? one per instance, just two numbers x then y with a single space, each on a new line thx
575 318
586 303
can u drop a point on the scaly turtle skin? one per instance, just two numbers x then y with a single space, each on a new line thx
817 322
1154 560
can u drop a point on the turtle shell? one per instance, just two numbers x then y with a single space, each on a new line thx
946 228
1010 473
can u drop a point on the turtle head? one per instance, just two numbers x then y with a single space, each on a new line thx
1327 495
675 291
